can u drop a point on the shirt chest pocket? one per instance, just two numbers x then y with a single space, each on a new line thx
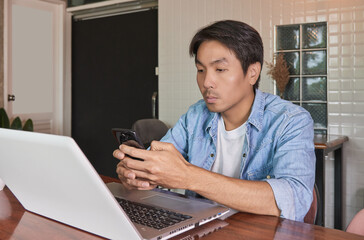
260 164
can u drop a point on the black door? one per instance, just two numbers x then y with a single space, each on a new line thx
113 80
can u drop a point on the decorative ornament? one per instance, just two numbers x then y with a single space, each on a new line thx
279 72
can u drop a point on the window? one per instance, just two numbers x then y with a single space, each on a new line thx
305 50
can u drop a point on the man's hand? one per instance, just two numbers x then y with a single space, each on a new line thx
163 165
128 176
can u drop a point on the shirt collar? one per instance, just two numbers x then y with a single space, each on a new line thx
212 123
256 115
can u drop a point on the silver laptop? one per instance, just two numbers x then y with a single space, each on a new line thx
51 176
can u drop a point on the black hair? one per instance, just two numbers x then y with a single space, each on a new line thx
243 40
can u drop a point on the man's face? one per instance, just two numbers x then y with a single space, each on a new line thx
222 82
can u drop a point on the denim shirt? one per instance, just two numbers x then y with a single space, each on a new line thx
278 148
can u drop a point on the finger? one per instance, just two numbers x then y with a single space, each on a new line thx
118 154
125 172
137 183
134 152
125 183
135 164
131 184
142 175
152 186
129 187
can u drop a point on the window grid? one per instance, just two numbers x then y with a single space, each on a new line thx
301 76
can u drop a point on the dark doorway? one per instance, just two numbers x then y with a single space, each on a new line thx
113 80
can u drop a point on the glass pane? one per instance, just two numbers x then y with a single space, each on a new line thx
293 62
288 37
314 35
314 88
292 92
314 63
318 113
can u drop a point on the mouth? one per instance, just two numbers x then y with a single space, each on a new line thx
210 99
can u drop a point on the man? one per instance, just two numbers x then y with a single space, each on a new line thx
245 149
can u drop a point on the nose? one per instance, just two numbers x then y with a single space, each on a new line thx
209 80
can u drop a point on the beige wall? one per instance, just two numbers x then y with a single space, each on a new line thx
180 19
1 53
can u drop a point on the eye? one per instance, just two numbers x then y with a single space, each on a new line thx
200 70
220 70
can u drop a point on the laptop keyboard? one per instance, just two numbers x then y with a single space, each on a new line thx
150 216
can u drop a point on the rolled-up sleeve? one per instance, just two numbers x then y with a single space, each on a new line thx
294 167
284 197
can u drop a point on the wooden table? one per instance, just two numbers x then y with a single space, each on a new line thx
325 144
16 223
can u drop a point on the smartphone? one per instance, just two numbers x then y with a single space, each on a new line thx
127 137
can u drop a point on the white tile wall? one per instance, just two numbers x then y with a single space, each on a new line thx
180 19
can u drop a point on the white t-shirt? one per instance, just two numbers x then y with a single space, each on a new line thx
229 151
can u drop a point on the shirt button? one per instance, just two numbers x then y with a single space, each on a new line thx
212 155
244 154
268 177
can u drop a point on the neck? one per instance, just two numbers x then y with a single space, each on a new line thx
239 114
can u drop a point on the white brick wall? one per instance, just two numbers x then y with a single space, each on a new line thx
180 19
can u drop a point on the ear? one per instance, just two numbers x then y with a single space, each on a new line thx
254 72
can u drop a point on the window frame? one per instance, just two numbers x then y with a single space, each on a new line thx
301 76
